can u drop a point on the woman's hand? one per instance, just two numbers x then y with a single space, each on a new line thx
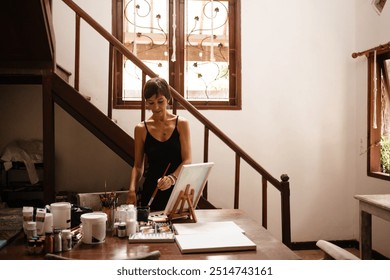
165 183
131 198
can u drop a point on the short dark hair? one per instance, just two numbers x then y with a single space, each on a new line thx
155 86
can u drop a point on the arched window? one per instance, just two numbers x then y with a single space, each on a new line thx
193 44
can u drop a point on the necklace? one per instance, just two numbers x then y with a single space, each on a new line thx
164 128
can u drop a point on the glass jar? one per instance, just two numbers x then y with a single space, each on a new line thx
49 242
57 241
66 240
122 229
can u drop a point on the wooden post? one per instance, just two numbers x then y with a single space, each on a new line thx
286 221
366 235
48 140
264 211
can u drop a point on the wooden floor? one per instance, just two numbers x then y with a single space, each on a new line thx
318 254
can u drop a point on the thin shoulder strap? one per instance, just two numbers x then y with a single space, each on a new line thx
146 126
177 120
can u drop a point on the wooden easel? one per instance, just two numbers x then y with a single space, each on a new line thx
184 196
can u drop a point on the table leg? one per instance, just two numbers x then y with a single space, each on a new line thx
365 235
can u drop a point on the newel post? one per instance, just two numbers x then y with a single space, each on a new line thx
286 220
48 123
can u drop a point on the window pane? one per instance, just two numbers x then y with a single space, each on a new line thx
379 116
203 50
146 35
206 50
387 62
385 102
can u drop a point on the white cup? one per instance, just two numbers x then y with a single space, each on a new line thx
61 215
93 227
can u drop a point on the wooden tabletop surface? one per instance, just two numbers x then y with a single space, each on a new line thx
268 247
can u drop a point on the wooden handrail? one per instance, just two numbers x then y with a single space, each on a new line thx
113 41
282 186
189 107
178 97
47 13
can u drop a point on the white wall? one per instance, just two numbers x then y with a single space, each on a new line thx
303 112
21 113
83 163
297 79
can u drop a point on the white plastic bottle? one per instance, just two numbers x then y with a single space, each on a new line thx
131 212
31 230
131 220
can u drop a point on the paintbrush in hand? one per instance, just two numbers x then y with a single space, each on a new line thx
156 189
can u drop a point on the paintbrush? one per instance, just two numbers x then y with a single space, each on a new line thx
156 189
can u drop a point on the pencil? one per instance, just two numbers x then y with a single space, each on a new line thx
156 189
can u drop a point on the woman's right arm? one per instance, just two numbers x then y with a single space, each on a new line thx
138 168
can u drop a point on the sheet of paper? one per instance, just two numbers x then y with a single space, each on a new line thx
214 242
207 227
211 237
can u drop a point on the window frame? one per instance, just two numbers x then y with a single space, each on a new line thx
177 69
374 135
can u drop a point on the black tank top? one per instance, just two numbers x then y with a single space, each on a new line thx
159 154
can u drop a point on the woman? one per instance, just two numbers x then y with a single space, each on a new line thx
162 146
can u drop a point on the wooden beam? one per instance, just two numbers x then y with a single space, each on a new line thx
48 140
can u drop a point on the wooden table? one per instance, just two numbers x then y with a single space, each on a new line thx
375 204
268 247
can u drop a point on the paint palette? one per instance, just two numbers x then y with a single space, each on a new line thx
160 237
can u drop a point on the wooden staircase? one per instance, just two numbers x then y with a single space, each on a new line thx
27 48
29 58
34 62
93 119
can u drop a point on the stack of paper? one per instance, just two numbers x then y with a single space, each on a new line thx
211 237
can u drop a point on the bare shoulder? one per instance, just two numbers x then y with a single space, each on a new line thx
182 123
140 125
182 120
139 129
